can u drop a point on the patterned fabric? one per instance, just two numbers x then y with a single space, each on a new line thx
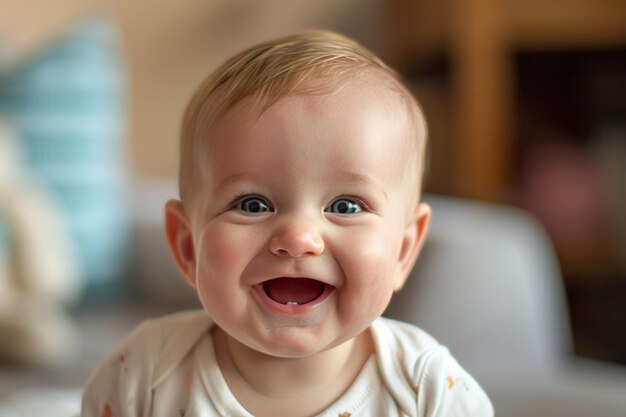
67 104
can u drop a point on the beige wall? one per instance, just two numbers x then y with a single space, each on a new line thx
171 45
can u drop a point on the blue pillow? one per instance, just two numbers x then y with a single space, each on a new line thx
68 106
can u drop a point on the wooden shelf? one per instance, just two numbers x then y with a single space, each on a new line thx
571 24
480 38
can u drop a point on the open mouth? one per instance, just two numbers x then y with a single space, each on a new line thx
296 291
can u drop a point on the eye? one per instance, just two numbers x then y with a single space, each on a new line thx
344 206
253 205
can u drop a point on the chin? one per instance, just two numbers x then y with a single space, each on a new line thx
291 346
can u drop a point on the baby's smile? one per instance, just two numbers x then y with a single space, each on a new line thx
294 291
293 296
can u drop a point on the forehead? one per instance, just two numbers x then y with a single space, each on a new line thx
368 94
367 108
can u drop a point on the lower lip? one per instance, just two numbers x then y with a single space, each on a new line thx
292 309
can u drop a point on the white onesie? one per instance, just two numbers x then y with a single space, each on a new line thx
167 367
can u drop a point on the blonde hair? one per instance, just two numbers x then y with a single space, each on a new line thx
314 62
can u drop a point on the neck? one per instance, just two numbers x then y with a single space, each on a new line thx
263 383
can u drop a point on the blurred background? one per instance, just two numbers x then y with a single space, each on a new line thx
526 103
527 106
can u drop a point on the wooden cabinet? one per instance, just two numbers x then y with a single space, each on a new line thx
478 41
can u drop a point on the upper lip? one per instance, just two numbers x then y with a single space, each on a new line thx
291 275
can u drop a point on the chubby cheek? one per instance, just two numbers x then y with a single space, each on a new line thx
219 250
221 260
369 265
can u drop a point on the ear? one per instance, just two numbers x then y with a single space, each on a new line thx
414 235
180 240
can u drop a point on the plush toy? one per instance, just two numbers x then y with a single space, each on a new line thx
38 269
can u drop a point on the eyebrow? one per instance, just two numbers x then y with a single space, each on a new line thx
359 178
234 178
351 177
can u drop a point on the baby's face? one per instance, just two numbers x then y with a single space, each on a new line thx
300 223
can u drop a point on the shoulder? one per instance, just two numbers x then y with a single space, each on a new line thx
175 325
142 360
404 345
404 334
422 375
155 340
150 337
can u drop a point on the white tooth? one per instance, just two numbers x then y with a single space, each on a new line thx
292 303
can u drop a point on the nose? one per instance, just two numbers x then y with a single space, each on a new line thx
296 240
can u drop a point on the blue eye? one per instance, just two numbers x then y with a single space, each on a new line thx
344 206
253 205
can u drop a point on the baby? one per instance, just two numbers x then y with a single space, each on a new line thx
301 164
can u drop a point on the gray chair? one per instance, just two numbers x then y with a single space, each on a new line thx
487 285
